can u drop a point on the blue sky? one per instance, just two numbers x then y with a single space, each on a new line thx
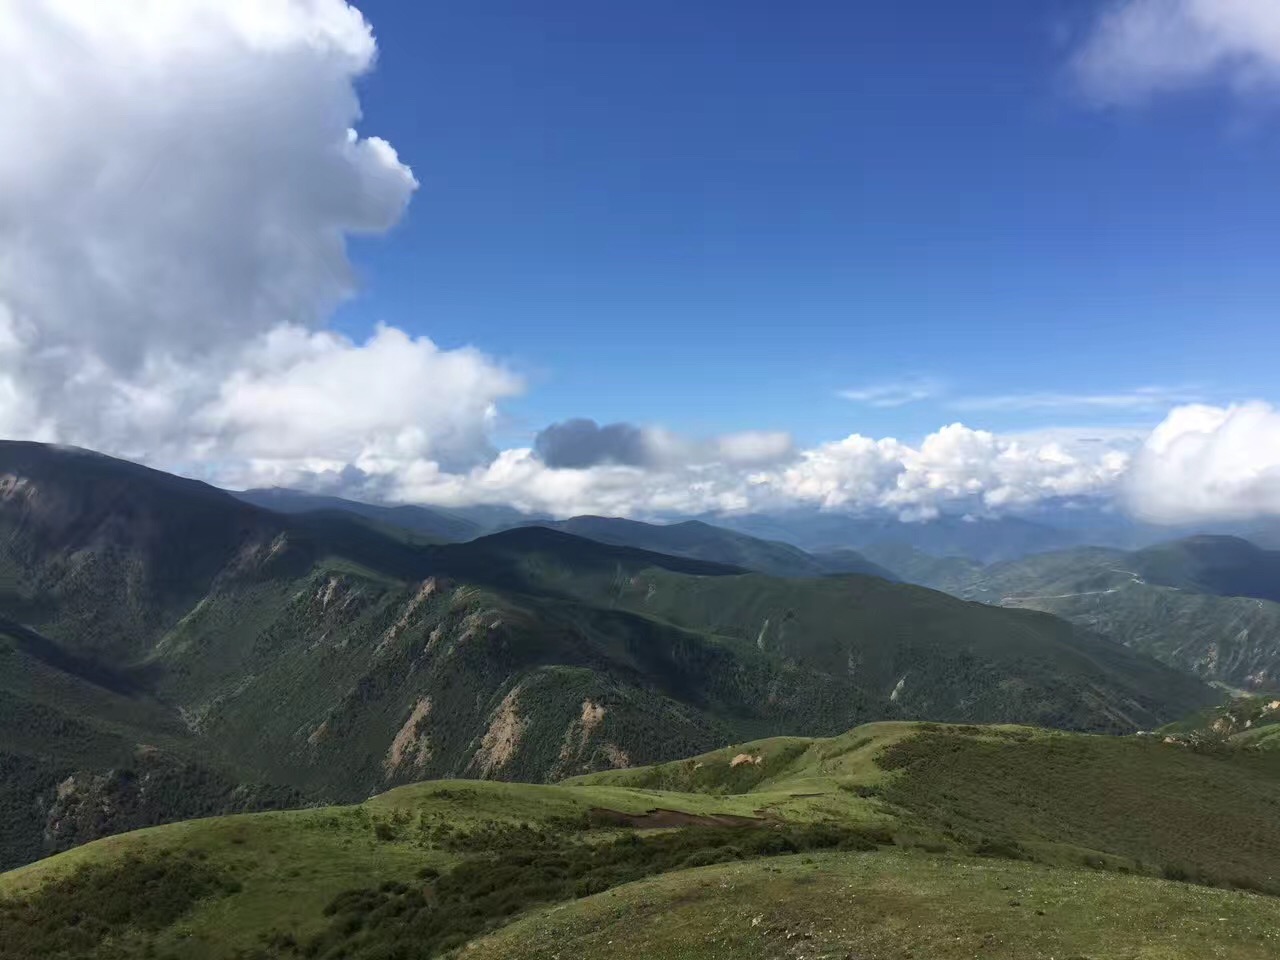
667 213
653 259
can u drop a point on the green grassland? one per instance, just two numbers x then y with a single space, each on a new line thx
894 838
892 905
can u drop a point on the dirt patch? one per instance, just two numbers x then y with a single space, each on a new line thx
616 755
411 743
577 739
319 733
743 759
592 714
660 818
502 738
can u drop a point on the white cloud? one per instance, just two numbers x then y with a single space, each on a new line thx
1209 463
895 394
318 396
956 469
175 197
1138 48
1141 398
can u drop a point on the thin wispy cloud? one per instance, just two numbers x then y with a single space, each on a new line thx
894 394
1139 399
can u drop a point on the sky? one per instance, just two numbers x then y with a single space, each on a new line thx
653 259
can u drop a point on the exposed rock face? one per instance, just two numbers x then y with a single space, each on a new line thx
502 739
411 747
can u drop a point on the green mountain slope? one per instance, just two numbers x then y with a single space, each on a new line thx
1223 566
890 839
86 751
908 651
702 541
1196 604
322 654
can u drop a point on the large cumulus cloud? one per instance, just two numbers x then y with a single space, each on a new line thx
1209 463
178 185
956 469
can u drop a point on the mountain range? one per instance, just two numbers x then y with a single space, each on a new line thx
162 632
1204 604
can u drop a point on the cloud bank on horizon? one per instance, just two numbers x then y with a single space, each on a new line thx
173 245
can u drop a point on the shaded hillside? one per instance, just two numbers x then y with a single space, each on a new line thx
1194 604
435 524
702 541
987 540
920 653
1224 566
85 751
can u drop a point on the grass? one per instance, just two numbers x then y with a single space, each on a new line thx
792 778
890 905
288 866
519 867
962 804
1168 809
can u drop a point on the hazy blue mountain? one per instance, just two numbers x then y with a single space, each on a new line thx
694 538
437 523
425 521
985 540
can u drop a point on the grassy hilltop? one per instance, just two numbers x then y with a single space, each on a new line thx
938 841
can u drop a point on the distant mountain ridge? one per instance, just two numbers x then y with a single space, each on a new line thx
689 538
695 538
984 539
463 523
